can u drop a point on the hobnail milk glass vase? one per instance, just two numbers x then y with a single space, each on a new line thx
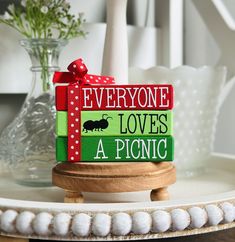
197 93
27 145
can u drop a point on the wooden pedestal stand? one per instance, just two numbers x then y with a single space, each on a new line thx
76 178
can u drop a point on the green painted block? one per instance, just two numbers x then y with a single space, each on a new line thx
61 149
129 148
62 123
120 123
119 148
116 123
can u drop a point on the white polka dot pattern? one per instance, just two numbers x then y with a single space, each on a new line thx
74 124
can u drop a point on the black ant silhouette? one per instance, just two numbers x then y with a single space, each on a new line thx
97 125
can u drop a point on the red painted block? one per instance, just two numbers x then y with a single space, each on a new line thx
61 98
118 97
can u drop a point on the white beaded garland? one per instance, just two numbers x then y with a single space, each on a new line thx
161 221
121 224
7 222
24 222
229 212
215 214
41 224
198 217
180 219
101 224
81 225
141 223
61 224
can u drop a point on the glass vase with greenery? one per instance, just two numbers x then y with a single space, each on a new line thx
27 144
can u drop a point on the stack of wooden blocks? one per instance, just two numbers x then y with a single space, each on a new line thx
114 123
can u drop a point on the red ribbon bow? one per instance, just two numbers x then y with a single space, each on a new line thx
76 77
78 74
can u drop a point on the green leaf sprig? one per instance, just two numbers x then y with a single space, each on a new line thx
43 19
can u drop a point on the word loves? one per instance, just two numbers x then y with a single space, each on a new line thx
150 123
97 120
110 97
116 123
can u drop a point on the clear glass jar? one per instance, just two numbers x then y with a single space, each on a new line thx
27 145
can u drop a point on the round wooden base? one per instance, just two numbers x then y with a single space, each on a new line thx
76 178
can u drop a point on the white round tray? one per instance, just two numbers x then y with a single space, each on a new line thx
198 205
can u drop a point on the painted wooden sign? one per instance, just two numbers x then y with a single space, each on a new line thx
116 123
119 148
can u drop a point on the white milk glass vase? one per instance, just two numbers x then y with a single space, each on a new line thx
197 94
115 56
27 145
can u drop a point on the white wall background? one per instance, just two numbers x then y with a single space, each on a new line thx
15 78
201 49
